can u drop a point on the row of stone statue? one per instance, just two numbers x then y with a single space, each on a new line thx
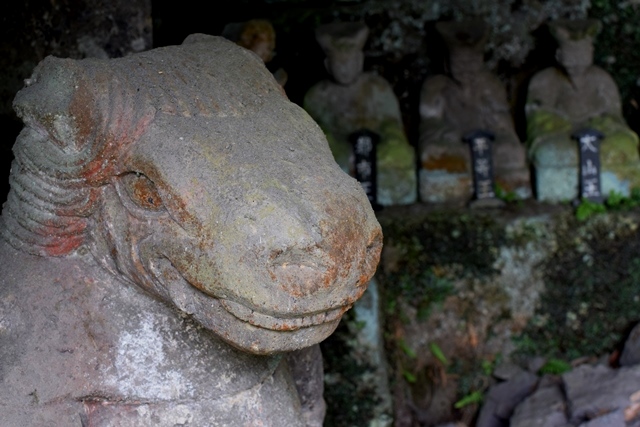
573 96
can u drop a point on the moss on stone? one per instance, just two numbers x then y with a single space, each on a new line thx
437 241
447 269
592 292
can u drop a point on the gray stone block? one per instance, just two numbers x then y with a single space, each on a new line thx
595 390
504 397
544 408
612 419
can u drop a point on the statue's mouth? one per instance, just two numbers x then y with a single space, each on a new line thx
267 321
171 279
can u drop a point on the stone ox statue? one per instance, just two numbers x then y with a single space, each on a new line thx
174 226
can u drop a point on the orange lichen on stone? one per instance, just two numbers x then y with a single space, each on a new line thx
446 162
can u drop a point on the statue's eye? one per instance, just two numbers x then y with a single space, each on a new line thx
142 191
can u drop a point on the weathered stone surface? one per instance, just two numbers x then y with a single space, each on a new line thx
544 408
510 283
595 396
506 371
577 95
354 101
612 419
451 106
596 390
503 397
307 370
174 224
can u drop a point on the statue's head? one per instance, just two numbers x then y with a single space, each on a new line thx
575 43
257 35
186 171
342 43
465 42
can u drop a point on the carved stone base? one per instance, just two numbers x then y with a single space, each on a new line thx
558 184
440 186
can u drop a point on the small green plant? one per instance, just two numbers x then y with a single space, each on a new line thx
615 202
407 350
487 367
473 397
555 367
438 353
507 196
409 376
587 209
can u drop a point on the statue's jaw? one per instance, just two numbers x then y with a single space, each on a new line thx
255 339
266 321
247 328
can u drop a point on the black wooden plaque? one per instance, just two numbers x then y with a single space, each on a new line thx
481 160
589 148
364 144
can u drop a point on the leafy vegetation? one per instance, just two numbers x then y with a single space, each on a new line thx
555 367
615 202
438 353
474 397
507 196
587 209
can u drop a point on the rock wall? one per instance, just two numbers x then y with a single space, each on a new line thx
468 298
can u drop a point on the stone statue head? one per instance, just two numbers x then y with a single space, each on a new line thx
186 171
342 43
257 35
575 43
465 42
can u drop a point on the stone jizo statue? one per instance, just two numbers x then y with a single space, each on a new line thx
468 98
576 95
175 225
259 36
353 100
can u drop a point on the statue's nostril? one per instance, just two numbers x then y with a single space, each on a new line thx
302 272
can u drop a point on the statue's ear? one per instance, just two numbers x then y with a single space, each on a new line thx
49 102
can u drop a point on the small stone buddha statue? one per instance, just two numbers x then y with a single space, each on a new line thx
259 36
570 97
468 98
353 100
